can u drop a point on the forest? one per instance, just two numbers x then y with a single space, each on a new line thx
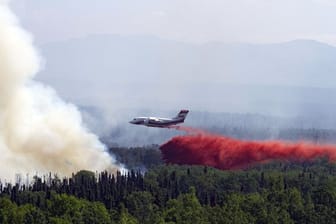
277 192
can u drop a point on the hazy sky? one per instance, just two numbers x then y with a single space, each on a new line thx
256 21
155 63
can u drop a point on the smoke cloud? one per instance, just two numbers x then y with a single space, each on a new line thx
38 131
225 153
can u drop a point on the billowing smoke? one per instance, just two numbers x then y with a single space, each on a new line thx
38 131
228 153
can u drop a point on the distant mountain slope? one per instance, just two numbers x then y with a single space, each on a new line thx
143 72
145 59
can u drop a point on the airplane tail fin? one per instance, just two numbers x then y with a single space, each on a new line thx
182 114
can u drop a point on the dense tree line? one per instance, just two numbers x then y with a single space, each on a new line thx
138 157
278 192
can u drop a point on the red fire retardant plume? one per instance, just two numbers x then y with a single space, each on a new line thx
228 153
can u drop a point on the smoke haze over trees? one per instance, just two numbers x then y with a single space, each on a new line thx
38 130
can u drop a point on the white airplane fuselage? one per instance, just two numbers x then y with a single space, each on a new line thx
160 122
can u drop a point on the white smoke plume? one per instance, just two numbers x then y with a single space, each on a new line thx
38 131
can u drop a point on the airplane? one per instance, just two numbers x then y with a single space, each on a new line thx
160 122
